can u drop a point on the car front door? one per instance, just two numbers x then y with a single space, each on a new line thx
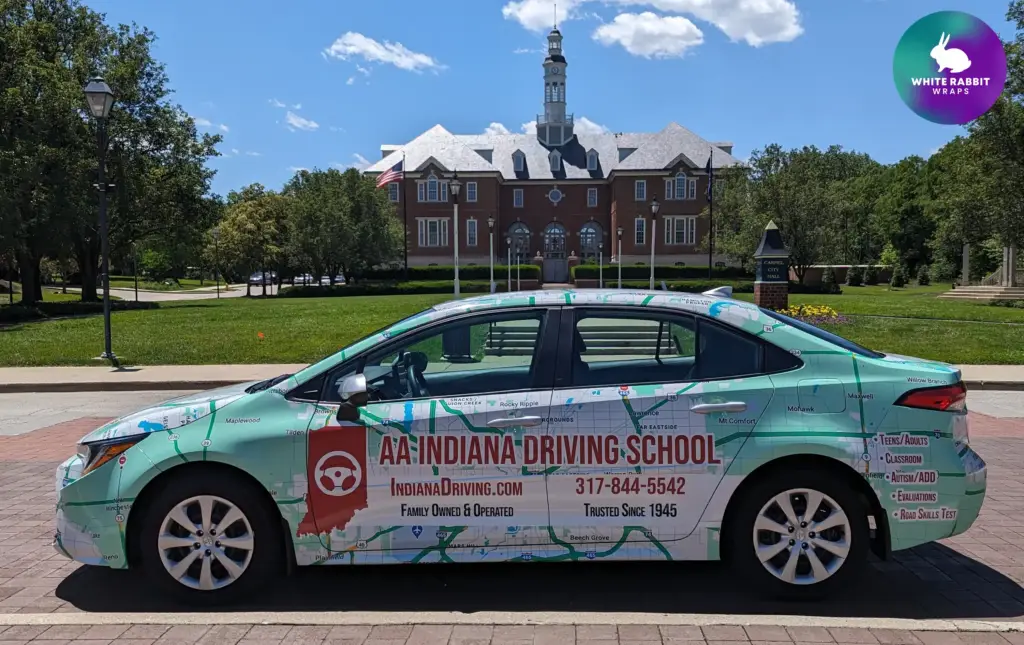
658 405
434 466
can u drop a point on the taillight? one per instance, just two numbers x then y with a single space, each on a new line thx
944 398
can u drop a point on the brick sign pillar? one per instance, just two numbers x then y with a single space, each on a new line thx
771 282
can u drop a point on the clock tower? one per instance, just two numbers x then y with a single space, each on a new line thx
554 127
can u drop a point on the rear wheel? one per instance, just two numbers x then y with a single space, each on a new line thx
800 534
210 537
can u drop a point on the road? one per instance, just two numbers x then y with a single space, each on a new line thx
975 576
205 293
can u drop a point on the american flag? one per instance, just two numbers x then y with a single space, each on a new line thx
394 174
711 174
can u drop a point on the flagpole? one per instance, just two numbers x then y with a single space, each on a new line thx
405 224
711 216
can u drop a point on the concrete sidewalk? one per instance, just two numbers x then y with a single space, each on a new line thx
202 377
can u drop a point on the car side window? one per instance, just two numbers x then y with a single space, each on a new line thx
495 353
614 349
611 349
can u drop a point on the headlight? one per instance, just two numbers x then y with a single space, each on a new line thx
96 453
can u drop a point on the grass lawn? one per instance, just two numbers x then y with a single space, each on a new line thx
187 284
303 330
50 294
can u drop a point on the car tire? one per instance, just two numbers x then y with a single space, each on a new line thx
248 555
804 581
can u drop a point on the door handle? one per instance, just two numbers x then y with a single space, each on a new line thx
512 422
709 408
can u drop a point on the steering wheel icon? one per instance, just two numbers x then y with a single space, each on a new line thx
348 470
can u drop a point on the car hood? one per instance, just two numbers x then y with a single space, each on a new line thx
171 414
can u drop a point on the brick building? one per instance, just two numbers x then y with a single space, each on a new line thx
558 194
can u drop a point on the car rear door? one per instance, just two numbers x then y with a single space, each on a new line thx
650 408
442 470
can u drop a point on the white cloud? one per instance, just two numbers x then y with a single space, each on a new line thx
362 70
755 22
496 128
234 151
297 122
276 103
356 45
527 50
650 35
359 162
351 80
537 15
206 123
254 154
297 106
335 128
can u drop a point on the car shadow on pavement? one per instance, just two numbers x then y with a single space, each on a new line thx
932 581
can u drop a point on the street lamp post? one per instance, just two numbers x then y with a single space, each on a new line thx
600 265
508 263
454 187
135 269
519 262
100 99
216 257
654 233
490 246
618 231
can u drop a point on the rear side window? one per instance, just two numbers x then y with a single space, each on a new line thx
821 334
725 353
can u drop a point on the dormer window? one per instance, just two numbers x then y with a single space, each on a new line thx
592 160
556 161
519 161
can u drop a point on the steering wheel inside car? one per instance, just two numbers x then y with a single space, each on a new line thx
415 363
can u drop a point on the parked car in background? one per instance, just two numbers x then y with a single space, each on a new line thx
270 277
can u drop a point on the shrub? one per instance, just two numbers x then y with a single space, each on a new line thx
478 272
814 314
828 281
871 275
855 276
899 277
1014 304
643 272
923 276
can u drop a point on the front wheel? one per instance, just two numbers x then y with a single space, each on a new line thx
209 537
800 534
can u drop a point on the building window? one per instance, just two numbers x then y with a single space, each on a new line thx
680 186
517 197
640 232
556 161
470 191
470 232
393 193
519 161
444 191
640 190
591 198
432 189
670 192
421 191
433 231
681 230
693 189
591 160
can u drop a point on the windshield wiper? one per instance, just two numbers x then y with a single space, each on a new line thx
263 385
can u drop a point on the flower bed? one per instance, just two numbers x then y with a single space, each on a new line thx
814 314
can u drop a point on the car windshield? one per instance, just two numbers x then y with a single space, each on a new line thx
823 335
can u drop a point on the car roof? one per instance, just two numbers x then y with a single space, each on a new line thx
701 303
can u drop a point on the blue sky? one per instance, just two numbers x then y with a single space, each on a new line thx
314 83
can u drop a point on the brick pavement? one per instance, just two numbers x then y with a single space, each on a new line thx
979 575
491 635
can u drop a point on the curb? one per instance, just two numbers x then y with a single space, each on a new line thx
209 384
342 618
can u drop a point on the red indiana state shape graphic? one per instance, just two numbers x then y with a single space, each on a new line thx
336 477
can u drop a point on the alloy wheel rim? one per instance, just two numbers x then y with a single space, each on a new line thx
205 542
802 536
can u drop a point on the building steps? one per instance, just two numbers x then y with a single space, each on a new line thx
600 339
985 293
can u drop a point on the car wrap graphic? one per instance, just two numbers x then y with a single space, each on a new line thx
624 471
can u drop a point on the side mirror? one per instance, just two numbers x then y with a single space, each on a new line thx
353 395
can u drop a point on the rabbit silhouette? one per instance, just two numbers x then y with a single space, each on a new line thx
955 60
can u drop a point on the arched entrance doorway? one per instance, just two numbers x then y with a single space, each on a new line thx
556 263
519 242
590 237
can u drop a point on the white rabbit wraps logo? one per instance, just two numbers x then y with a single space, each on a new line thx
955 60
949 67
